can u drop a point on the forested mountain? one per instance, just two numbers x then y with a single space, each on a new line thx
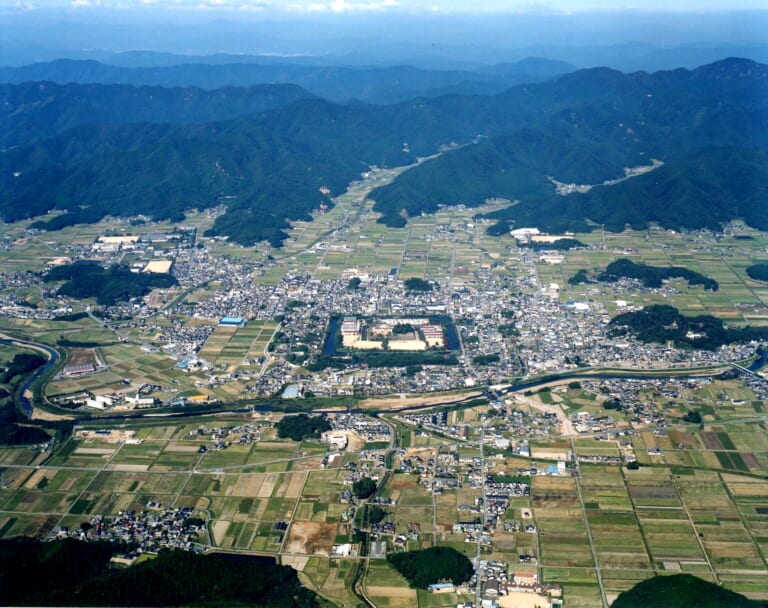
40 110
267 168
708 126
341 84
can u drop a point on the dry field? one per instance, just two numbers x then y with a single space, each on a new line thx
310 537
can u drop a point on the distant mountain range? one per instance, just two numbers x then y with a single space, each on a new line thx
340 84
33 111
270 152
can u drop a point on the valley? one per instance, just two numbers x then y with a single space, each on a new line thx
693 505
352 305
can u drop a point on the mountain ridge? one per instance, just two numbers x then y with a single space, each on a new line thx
272 165
341 84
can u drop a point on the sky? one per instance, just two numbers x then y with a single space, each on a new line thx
362 6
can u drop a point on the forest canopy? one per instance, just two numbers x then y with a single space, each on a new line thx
681 591
652 276
660 323
302 427
433 565
759 272
108 285
71 572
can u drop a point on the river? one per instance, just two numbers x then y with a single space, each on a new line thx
27 406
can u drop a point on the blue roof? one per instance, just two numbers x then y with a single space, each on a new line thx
232 320
290 392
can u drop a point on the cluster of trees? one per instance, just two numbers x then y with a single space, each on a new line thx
70 572
558 245
692 416
485 359
21 365
661 323
375 514
508 330
302 427
433 565
75 316
652 276
16 430
417 284
108 285
364 488
581 276
403 328
759 272
511 479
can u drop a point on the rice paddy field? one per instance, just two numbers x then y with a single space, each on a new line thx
232 347
609 525
697 504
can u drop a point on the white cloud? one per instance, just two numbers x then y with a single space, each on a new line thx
344 6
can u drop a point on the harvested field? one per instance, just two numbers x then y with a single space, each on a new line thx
178 447
311 537
556 500
400 483
94 451
131 468
399 592
296 562
711 440
248 485
683 437
652 492
220 531
32 482
292 485
750 460
265 491
68 483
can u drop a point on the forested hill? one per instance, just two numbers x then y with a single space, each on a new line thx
708 126
681 591
74 573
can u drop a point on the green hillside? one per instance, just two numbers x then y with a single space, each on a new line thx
681 591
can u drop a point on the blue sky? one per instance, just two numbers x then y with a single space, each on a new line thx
363 6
